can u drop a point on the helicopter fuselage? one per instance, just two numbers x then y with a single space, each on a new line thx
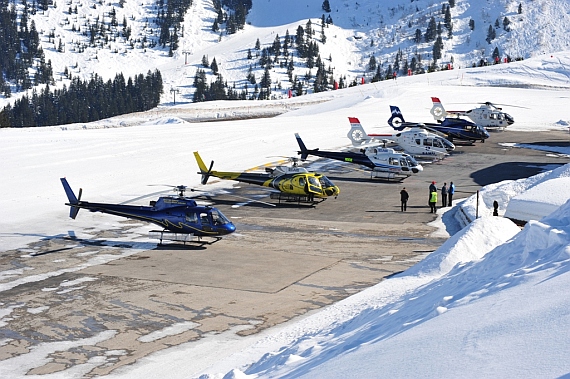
375 158
294 181
174 214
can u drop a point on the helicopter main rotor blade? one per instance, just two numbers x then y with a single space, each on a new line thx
249 200
144 197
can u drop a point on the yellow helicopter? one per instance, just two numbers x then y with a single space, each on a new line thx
293 183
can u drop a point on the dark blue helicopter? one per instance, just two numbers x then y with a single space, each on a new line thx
175 214
451 128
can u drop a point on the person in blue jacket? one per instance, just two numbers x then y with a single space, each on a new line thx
450 193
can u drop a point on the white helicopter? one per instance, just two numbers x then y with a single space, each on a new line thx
381 162
416 141
488 115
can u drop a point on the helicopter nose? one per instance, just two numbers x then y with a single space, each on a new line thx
332 191
417 169
228 228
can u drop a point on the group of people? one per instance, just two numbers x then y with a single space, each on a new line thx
446 196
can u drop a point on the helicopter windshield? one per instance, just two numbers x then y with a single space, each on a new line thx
325 182
218 218
411 161
448 145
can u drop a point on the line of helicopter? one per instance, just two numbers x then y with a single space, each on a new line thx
182 219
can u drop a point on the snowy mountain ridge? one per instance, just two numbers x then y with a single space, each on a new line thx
360 30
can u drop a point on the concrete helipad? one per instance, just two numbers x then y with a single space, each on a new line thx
230 268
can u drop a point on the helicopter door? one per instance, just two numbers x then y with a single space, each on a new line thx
205 221
314 185
191 218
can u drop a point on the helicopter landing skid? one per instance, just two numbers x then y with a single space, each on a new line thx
288 197
181 237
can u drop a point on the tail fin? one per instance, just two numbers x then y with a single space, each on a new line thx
304 152
396 118
356 133
73 200
206 172
437 110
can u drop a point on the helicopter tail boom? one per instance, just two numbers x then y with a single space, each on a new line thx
73 200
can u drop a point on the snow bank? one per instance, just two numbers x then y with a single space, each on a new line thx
539 201
527 203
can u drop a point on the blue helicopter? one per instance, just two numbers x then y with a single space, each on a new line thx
451 128
179 216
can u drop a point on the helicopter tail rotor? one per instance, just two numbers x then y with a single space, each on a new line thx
73 200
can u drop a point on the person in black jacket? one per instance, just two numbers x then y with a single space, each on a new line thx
404 196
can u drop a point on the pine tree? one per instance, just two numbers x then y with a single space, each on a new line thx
472 24
372 63
418 36
437 48
496 55
431 31
491 34
205 62
214 66
506 24
447 19
326 6
520 8
266 79
276 47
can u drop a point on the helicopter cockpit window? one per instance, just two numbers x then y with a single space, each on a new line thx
411 162
437 143
191 217
325 182
403 162
393 161
428 142
218 218
493 116
302 182
418 141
